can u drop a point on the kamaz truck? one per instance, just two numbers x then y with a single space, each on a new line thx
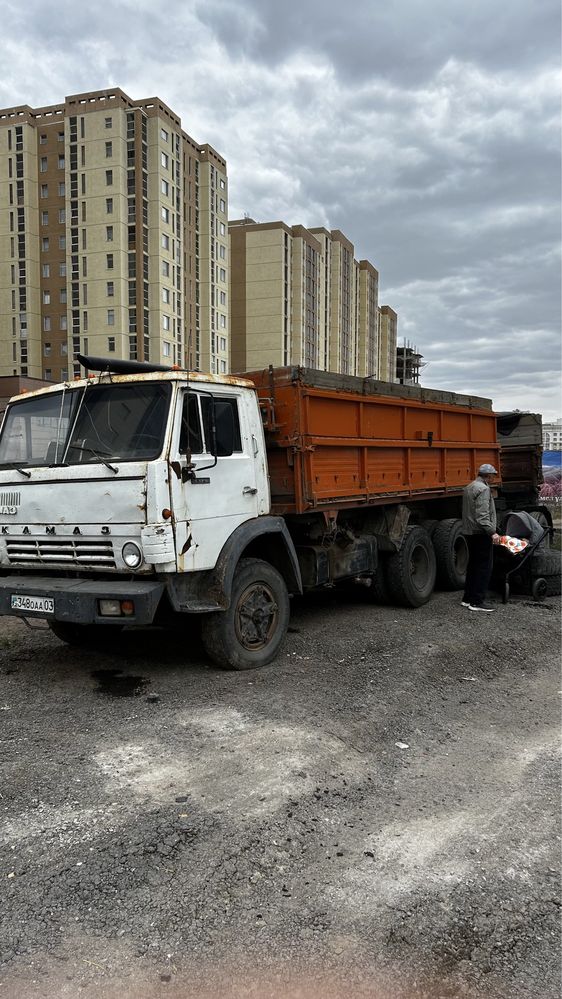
141 496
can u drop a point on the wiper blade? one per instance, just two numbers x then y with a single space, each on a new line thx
96 454
16 468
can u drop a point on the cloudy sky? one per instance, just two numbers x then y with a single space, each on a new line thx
427 131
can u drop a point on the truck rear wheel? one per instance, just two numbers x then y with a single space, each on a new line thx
451 551
249 634
411 570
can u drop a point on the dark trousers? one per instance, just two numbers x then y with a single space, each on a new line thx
479 569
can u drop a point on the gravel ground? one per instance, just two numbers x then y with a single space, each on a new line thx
376 814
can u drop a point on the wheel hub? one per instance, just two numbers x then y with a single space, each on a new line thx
256 616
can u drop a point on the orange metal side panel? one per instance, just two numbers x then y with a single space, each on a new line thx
330 448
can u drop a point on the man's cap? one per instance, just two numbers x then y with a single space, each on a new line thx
487 470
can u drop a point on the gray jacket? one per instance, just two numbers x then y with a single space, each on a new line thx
478 509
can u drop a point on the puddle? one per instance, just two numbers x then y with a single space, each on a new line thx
115 683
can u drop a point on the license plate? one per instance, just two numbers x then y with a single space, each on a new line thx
32 605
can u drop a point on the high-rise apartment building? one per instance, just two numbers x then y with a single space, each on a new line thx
113 237
387 344
298 296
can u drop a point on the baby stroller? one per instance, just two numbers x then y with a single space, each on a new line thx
536 570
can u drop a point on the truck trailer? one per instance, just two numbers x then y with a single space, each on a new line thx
145 496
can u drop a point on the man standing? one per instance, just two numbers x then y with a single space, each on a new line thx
479 528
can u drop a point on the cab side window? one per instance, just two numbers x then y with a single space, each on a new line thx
191 436
226 409
196 434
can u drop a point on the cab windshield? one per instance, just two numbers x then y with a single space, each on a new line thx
87 425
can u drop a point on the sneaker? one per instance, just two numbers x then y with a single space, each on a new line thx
465 603
487 608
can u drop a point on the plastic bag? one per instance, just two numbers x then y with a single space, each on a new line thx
514 545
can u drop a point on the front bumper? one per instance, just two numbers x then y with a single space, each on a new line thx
76 600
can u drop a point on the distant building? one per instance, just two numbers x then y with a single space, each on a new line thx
298 296
113 237
408 364
387 344
552 435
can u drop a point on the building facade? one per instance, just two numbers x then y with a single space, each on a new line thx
552 435
387 344
298 296
113 238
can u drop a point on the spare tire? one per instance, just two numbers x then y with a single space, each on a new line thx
451 551
411 570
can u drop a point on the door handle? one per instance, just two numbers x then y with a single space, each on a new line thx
249 491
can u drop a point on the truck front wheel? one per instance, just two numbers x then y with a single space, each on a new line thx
249 634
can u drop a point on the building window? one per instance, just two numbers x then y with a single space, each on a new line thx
108 178
222 251
47 349
165 295
109 261
222 229
62 216
222 274
109 233
108 122
165 348
222 321
163 160
44 218
165 214
43 139
222 205
62 242
62 296
164 134
43 164
62 189
46 323
165 241
109 206
222 297
111 344
63 325
111 317
62 270
110 289
223 343
222 184
46 270
61 162
165 322
45 244
164 187
223 367
60 137
48 374
44 190
165 268
46 298
108 150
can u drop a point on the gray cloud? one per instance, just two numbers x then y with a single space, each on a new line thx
428 134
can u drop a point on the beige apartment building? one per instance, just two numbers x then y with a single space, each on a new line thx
113 238
387 344
298 296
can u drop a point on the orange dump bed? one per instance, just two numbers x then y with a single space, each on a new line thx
336 441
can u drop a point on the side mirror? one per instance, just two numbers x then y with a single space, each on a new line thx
223 429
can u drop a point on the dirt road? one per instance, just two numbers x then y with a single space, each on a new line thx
376 814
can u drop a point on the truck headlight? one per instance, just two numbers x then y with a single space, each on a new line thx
132 555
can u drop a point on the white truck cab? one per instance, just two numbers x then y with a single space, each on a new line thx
132 494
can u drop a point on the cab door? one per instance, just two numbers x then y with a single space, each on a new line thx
214 493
